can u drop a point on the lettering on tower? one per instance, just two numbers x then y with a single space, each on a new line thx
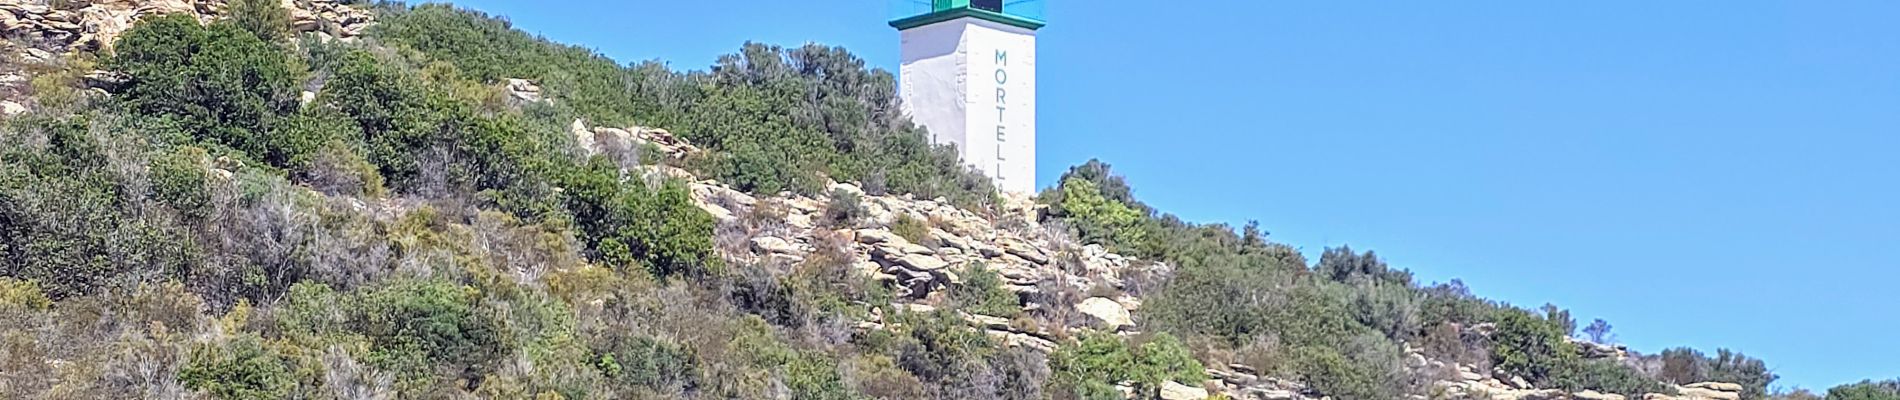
971 82
1002 108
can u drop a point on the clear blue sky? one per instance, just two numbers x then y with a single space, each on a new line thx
1698 172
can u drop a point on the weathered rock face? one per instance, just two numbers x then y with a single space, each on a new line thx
1593 350
1467 382
1106 312
524 91
96 24
46 32
626 143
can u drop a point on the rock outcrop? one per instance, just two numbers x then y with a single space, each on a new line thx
41 33
96 24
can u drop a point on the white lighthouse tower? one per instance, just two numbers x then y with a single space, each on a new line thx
969 77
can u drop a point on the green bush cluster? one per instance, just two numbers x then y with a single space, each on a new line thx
1091 368
982 293
1337 324
1866 390
1684 365
777 118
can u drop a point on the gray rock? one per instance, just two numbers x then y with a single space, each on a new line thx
1106 312
773 245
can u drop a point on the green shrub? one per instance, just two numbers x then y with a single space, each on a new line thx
911 229
242 368
844 210
268 19
180 179
650 363
220 83
70 224
1866 390
1605 376
1098 219
1530 346
20 294
1684 366
1101 360
417 324
630 226
982 293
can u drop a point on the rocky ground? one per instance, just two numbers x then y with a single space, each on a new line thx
1042 265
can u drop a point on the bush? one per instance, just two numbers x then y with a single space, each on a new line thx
69 217
1604 376
631 226
844 210
650 363
180 180
1530 346
415 325
18 294
911 229
240 369
268 19
1684 366
220 83
1098 219
1866 390
982 293
1101 360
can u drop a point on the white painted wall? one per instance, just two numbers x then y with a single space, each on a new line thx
972 83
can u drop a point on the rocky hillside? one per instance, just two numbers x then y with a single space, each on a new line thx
261 199
1046 268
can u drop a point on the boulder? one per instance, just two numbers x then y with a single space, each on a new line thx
1594 395
920 262
845 187
583 137
1106 312
524 90
878 236
1175 391
720 214
1716 386
1272 394
1702 393
1029 253
773 245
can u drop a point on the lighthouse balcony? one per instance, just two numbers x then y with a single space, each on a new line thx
906 14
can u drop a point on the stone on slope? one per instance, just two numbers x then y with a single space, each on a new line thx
773 245
1594 395
1716 386
877 236
1703 393
1176 391
920 262
1107 312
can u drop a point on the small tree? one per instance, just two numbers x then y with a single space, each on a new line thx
1598 330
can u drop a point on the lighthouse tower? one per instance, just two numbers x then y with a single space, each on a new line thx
969 77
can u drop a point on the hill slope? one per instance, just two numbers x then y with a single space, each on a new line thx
334 200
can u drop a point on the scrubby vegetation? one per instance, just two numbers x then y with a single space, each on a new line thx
404 230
